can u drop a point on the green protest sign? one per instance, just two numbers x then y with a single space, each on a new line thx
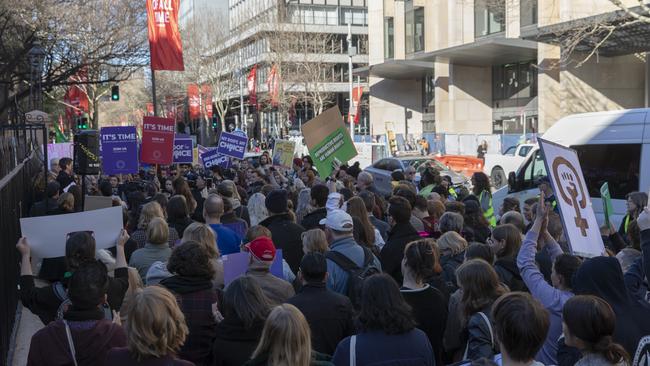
328 141
607 203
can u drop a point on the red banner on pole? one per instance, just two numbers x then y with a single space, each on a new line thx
355 111
273 84
252 86
206 100
164 37
157 140
194 101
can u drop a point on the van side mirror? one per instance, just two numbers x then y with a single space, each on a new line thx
512 181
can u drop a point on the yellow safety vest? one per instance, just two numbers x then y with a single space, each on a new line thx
627 223
489 214
453 193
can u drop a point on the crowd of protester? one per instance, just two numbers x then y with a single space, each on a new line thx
430 275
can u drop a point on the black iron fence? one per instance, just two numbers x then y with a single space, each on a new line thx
21 160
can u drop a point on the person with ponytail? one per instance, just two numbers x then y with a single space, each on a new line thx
589 323
45 302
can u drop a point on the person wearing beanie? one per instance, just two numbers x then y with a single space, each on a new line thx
286 233
262 254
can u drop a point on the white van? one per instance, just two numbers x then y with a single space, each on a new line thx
613 147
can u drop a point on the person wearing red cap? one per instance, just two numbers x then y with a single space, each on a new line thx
262 254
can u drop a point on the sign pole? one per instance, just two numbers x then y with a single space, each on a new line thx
153 92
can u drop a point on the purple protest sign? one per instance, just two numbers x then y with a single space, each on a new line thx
214 158
119 150
182 149
233 145
235 265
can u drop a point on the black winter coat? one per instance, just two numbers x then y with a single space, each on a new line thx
509 274
286 236
312 219
234 343
393 252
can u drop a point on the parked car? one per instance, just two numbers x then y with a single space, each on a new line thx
381 171
612 147
499 166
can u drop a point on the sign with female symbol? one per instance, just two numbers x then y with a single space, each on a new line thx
578 218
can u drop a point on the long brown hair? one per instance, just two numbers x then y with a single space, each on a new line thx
422 258
357 208
480 284
512 236
181 187
592 320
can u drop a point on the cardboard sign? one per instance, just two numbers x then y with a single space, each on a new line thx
233 145
59 150
97 202
235 265
607 203
283 153
119 150
572 196
328 141
214 158
183 149
157 140
47 234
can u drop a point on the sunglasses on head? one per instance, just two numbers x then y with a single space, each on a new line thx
89 232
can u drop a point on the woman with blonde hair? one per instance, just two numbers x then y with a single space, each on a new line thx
452 248
286 341
303 207
66 203
314 240
204 235
155 250
155 331
150 211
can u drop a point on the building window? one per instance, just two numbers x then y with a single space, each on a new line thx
414 31
489 17
528 12
428 93
355 16
512 81
389 37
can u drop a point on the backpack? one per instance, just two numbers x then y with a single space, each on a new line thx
62 295
356 274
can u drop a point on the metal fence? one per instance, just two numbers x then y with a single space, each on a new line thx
21 159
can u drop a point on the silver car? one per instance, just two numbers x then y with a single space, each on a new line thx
381 171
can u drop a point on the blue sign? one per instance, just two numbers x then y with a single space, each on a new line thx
232 145
214 158
182 149
119 150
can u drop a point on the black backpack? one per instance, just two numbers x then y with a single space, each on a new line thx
62 294
356 274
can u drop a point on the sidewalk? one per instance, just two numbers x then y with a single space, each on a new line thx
27 326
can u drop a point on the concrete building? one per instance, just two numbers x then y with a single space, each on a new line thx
264 33
499 66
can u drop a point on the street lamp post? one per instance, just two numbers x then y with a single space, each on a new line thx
351 52
36 58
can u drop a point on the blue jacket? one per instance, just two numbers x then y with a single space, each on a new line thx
552 298
337 280
379 348
228 241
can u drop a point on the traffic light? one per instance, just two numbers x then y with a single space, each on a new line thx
215 123
82 123
115 93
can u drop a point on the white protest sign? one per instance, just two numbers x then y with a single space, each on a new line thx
572 196
47 234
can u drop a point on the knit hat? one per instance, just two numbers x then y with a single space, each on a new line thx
276 201
262 248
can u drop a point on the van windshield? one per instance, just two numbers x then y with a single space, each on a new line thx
536 168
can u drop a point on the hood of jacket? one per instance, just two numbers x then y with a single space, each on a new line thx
510 265
279 218
602 277
232 328
402 230
186 285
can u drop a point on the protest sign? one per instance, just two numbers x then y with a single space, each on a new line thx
283 153
97 202
182 149
59 150
236 264
607 203
328 141
233 145
578 218
212 158
157 140
47 234
119 150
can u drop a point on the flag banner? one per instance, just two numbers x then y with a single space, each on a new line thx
164 36
572 197
212 158
157 140
194 101
119 150
355 109
233 145
273 84
183 149
206 100
328 141
252 86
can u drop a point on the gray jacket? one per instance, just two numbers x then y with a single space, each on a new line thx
337 280
143 258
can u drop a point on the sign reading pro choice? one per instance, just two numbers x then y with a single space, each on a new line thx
328 141
183 153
